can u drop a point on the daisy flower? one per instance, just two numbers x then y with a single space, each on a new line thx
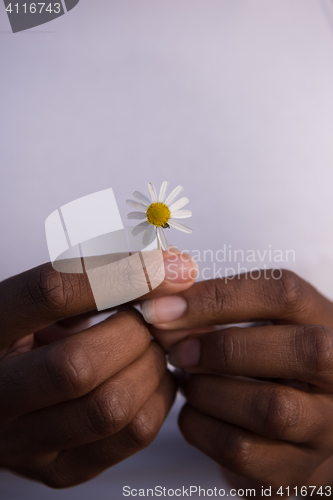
160 213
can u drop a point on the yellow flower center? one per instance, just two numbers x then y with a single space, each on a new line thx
158 214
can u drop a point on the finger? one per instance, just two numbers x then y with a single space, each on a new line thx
262 297
181 271
302 352
272 410
63 328
270 462
72 367
97 415
37 298
77 465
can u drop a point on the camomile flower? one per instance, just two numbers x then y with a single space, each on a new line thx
160 212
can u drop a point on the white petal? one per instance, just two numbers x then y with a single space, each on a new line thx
137 205
163 189
161 236
136 215
180 226
140 227
149 236
173 195
152 192
181 214
142 198
179 204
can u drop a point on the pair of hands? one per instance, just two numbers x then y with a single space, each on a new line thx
76 401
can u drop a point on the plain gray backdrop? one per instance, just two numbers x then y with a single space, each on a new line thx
232 99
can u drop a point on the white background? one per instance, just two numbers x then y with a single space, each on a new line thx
231 98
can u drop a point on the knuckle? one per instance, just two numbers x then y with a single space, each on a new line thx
237 451
70 369
283 413
315 344
214 298
110 410
226 347
143 429
131 321
50 289
291 292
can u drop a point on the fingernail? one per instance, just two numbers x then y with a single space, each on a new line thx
180 267
164 309
186 354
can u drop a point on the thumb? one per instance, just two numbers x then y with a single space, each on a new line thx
142 275
180 273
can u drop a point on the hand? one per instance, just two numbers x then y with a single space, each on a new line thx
74 403
260 399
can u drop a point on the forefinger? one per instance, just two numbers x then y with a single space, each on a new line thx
42 296
274 295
